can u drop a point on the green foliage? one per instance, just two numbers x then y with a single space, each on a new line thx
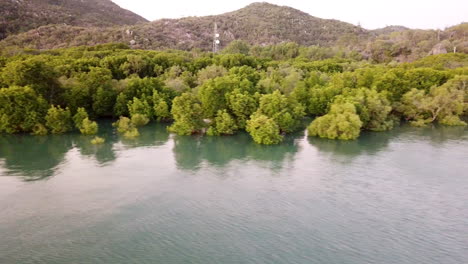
161 107
79 117
399 81
82 122
342 122
443 103
263 130
103 101
412 106
229 61
285 79
76 94
449 61
321 98
224 124
58 120
36 73
212 94
286 112
121 105
123 124
126 127
210 72
281 51
141 88
132 133
219 93
97 77
237 46
97 140
137 64
187 113
88 127
242 105
139 120
140 107
39 130
21 110
452 120
372 107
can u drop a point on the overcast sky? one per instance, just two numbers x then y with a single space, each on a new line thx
371 14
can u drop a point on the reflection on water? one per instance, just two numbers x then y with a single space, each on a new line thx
191 152
34 158
38 157
387 198
369 143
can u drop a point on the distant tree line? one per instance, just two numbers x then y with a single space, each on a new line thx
267 94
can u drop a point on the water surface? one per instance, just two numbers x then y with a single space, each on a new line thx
394 197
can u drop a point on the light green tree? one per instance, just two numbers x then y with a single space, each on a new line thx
82 123
242 105
89 127
321 97
372 107
58 120
342 122
78 118
224 124
140 111
209 73
264 130
125 127
212 94
160 107
445 104
139 120
286 112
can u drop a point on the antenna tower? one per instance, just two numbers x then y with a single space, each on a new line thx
215 39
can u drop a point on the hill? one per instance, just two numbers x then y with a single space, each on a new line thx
389 30
258 24
18 16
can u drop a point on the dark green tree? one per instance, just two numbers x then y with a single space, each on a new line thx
212 94
36 73
21 110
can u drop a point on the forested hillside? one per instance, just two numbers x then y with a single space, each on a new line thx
268 95
259 24
18 16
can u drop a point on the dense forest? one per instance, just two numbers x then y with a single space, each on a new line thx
266 91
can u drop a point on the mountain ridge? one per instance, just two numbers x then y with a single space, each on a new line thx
258 24
17 16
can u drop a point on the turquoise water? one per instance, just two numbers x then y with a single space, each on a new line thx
393 197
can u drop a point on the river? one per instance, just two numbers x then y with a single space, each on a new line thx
398 197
